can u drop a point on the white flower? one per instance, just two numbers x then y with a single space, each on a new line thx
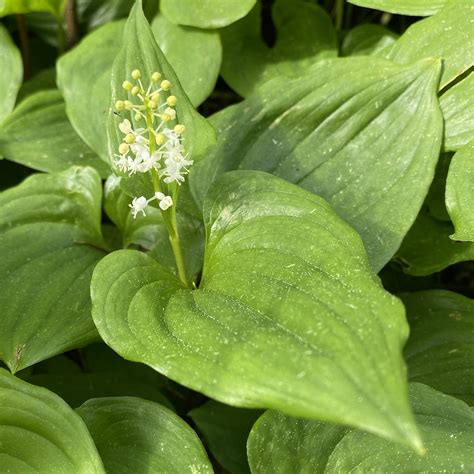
122 163
139 204
125 126
166 202
171 112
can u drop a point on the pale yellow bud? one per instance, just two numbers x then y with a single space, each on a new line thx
179 128
156 76
136 74
165 117
129 138
128 105
127 85
165 85
172 100
135 90
138 117
123 148
160 139
120 105
153 104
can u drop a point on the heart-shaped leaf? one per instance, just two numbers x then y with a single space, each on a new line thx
206 13
288 314
280 444
460 193
135 435
361 132
457 105
39 432
440 350
51 239
403 7
11 75
447 35
38 134
304 34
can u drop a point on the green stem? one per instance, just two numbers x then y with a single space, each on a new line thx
339 14
169 216
61 37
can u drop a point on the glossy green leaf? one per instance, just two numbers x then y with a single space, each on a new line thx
206 13
135 435
427 248
446 35
84 79
361 132
43 80
50 239
38 134
460 193
403 7
457 105
194 54
10 74
140 51
9 7
280 444
103 374
365 40
226 430
304 34
338 333
92 14
39 432
440 350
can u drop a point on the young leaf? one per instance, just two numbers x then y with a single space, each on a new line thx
460 193
403 7
440 350
206 13
427 248
140 51
280 444
39 432
446 35
226 430
288 314
10 74
457 105
194 54
304 34
361 132
38 134
135 435
50 239
84 79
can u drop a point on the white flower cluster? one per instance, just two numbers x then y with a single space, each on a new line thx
155 146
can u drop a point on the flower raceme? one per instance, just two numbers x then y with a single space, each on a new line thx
156 146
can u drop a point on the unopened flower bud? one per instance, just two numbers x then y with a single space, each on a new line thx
128 105
153 104
165 85
123 148
171 112
179 128
138 117
129 138
120 105
127 85
172 100
136 74
156 76
135 90
160 139
165 117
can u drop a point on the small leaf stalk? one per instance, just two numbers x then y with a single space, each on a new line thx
155 149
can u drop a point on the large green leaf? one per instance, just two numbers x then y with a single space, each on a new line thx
194 54
50 239
10 74
226 430
457 105
43 80
84 79
447 35
102 374
367 40
440 350
9 7
280 444
38 134
206 13
304 34
140 51
135 435
361 132
39 432
288 314
403 7
460 193
427 248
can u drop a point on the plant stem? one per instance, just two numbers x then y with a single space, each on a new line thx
72 30
339 14
61 37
